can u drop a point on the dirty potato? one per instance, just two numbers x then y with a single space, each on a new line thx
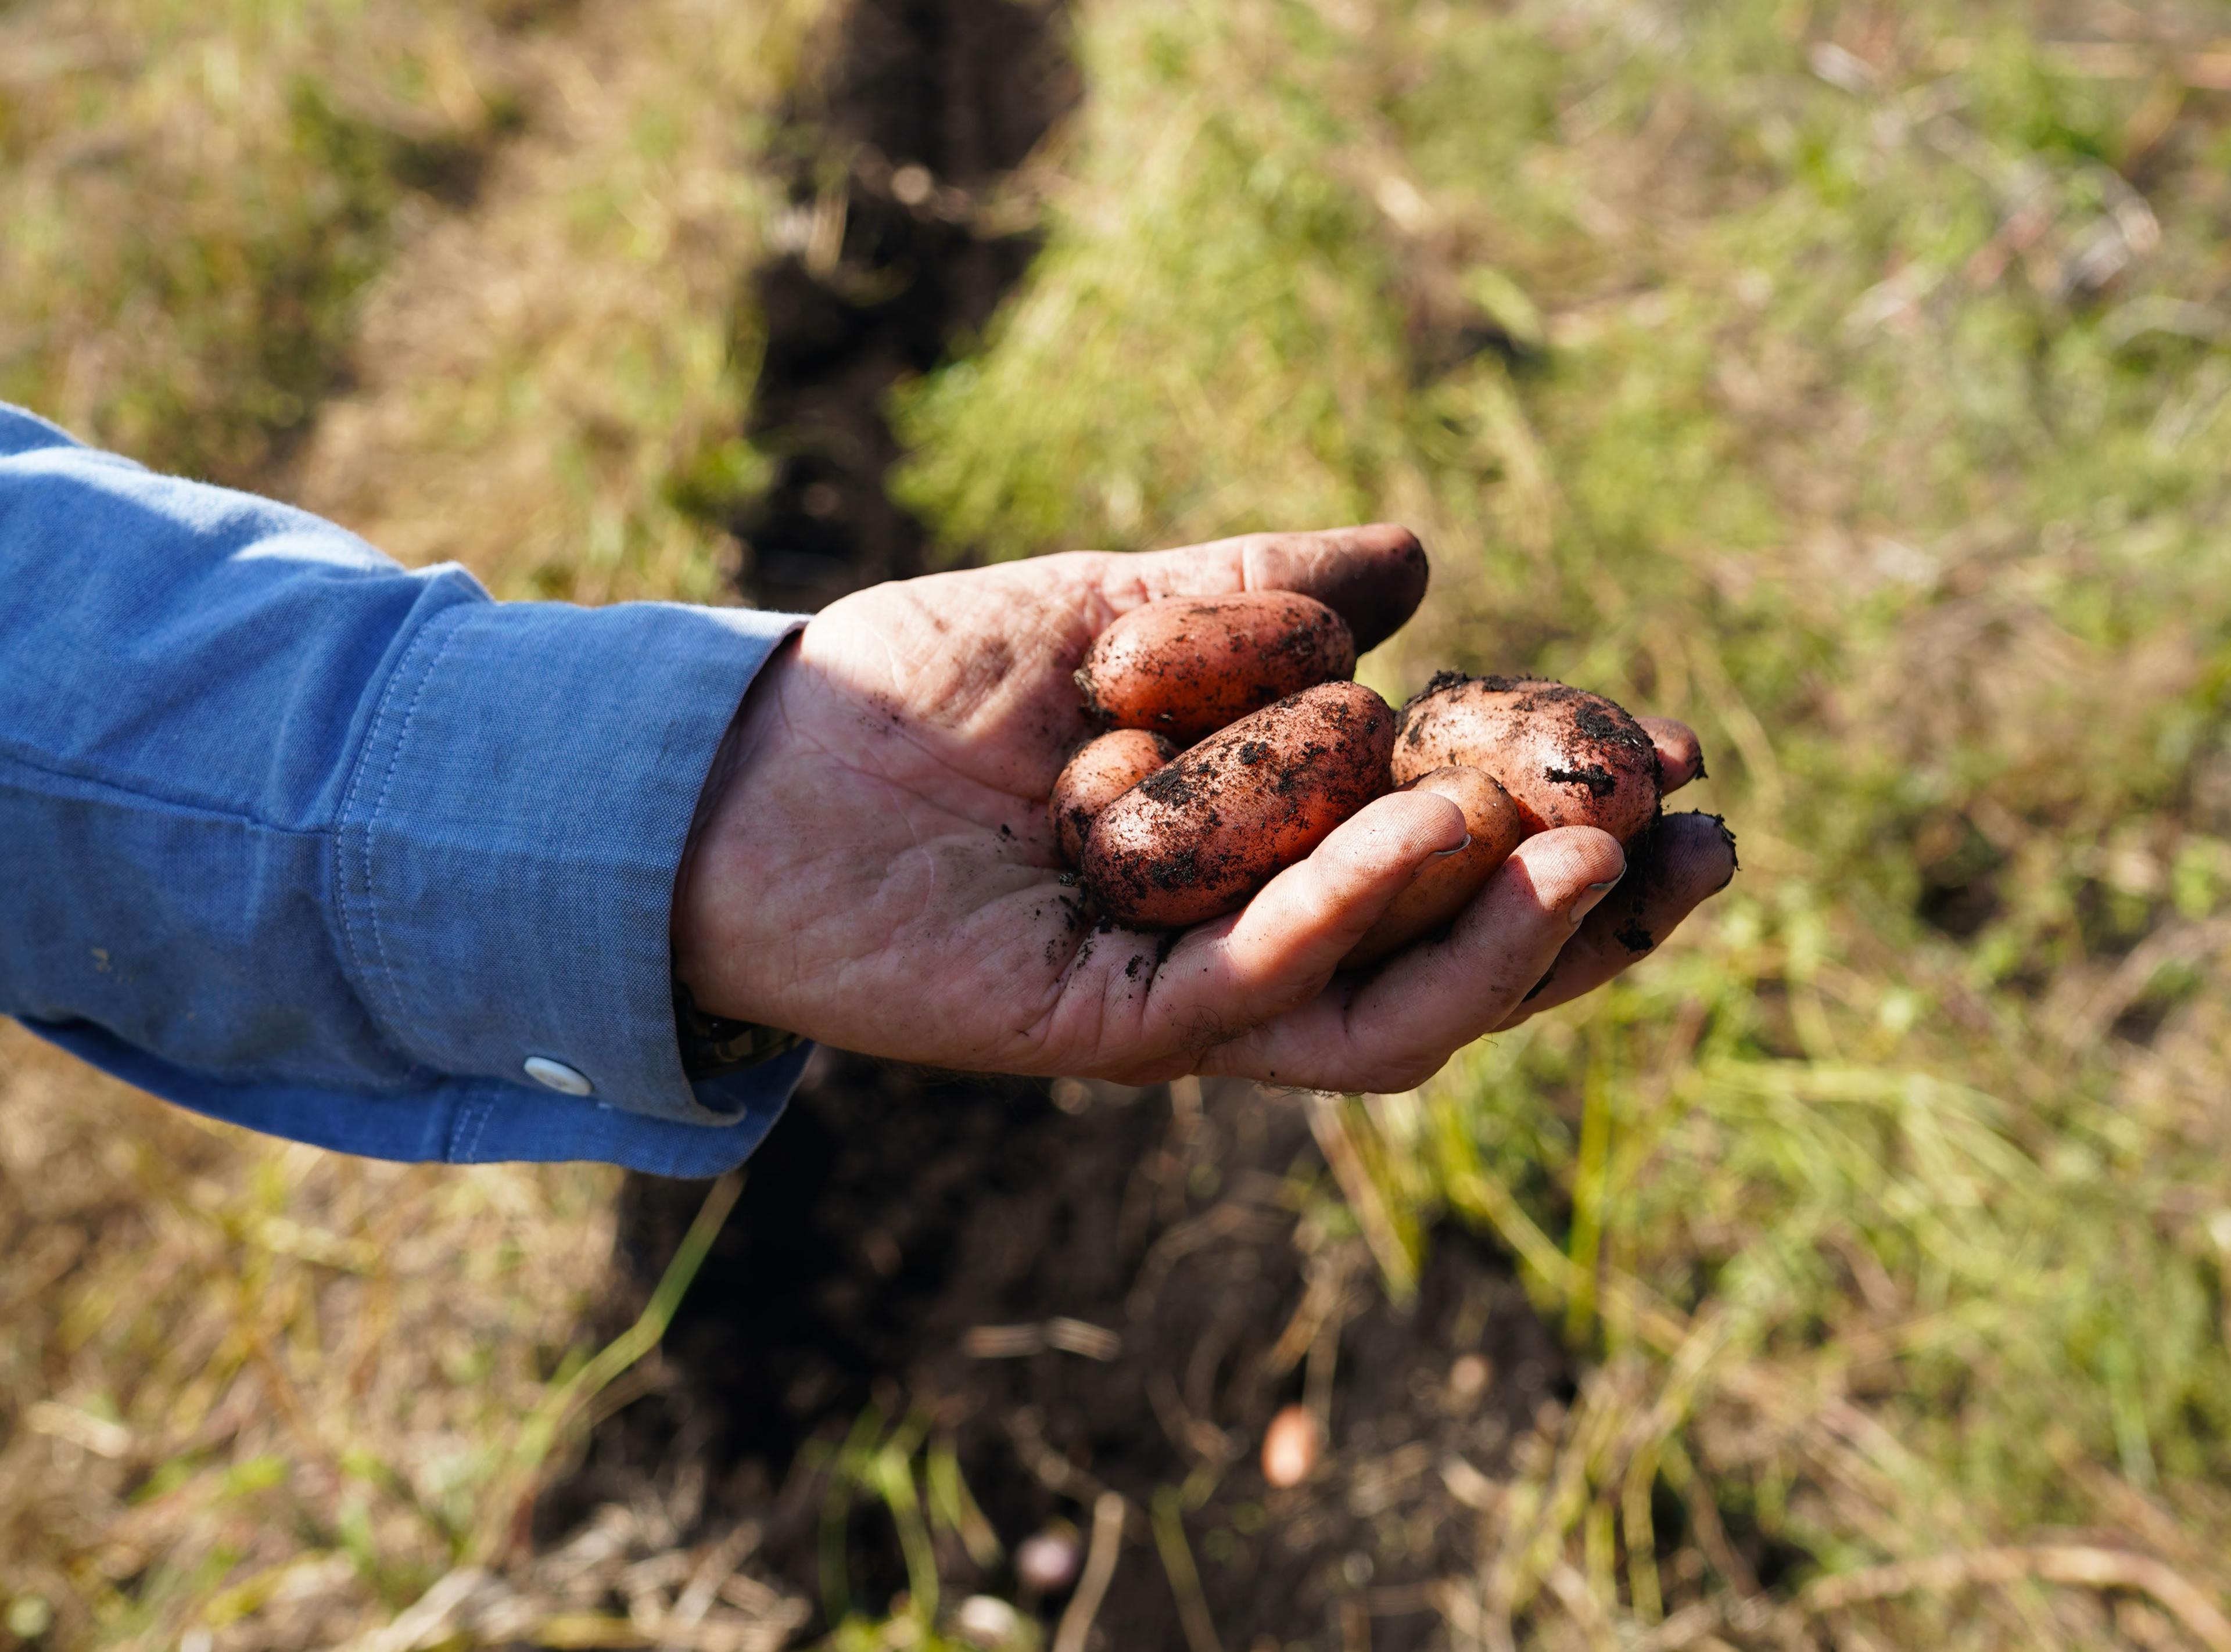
1199 836
1186 666
1444 884
1566 756
1104 769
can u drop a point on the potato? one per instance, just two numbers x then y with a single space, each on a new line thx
1292 1446
1196 838
1186 666
1102 770
1445 883
1566 756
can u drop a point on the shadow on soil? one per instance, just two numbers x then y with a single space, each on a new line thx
891 1215
899 149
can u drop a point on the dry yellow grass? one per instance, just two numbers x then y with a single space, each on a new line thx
251 1394
253 1389
532 373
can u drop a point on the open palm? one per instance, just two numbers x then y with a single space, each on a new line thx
877 869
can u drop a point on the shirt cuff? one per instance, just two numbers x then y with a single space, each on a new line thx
506 850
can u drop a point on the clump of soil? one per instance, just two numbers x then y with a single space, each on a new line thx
899 1232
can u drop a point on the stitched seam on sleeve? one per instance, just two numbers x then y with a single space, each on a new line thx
465 1135
479 1129
371 824
372 911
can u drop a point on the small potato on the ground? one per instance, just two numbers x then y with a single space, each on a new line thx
1187 666
1566 756
1292 1446
1047 1562
1199 836
1104 769
1445 883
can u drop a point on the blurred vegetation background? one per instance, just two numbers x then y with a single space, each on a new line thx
1851 379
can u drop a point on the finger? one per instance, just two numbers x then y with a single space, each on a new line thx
1395 1030
1372 577
1685 860
1680 753
1284 945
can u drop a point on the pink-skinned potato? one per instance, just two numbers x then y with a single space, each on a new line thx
1187 666
1444 885
1566 756
1199 836
1104 768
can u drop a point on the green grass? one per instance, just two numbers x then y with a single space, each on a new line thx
196 195
1852 380
1826 400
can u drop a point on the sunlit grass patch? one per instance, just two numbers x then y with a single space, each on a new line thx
551 385
196 194
1824 377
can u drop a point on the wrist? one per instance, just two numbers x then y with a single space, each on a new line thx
704 883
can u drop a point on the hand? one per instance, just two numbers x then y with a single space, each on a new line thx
874 867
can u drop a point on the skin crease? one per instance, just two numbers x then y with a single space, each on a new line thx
873 865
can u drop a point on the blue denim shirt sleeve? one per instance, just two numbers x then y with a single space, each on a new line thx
297 837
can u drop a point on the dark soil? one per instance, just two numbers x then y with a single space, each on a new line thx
892 1214
949 95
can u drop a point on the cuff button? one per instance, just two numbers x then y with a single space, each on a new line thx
556 1076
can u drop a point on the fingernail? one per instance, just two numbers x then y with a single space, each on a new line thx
1442 854
1590 897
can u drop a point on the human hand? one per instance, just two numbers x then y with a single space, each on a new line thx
874 867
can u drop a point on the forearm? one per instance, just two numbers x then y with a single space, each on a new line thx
298 836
